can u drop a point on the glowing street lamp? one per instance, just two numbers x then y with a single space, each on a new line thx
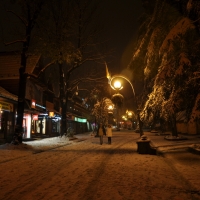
130 114
117 86
110 108
124 118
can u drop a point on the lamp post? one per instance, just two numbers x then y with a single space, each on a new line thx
124 117
116 85
110 108
130 115
117 99
124 121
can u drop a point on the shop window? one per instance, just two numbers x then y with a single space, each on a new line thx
27 126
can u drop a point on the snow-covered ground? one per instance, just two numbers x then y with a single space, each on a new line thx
9 151
82 169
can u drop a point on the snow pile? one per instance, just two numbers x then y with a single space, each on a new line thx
196 146
43 144
10 146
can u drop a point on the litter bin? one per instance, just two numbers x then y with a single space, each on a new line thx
143 145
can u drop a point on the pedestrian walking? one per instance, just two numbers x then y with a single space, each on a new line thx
109 133
101 132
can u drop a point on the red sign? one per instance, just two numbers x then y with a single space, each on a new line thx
33 103
35 117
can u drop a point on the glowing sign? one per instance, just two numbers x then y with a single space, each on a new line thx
6 106
80 120
35 117
33 103
51 114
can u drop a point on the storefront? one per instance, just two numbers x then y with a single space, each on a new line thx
53 124
38 121
7 120
26 125
79 125
53 120
38 124
35 120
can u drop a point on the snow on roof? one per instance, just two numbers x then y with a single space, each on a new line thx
4 93
10 63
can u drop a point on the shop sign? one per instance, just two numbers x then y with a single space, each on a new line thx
51 114
33 103
39 106
35 117
6 106
82 120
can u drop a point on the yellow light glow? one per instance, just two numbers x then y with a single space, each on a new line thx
130 114
51 114
117 84
110 107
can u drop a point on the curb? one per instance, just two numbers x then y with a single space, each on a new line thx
193 150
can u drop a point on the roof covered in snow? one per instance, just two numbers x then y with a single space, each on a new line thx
10 63
4 93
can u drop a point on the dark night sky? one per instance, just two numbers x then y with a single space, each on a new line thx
121 25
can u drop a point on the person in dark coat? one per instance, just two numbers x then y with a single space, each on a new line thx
101 132
109 133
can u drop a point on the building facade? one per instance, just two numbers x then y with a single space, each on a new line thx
37 119
42 112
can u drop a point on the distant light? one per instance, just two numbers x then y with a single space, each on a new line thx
51 114
110 107
129 114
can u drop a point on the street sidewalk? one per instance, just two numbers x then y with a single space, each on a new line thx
175 153
10 151
157 140
162 144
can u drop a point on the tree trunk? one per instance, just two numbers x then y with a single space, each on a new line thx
173 126
63 101
140 124
29 22
21 100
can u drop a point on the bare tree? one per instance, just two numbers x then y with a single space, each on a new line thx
68 37
28 16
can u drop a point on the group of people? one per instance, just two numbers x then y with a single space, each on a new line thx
104 131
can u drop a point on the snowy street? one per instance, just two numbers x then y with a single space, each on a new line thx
82 169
